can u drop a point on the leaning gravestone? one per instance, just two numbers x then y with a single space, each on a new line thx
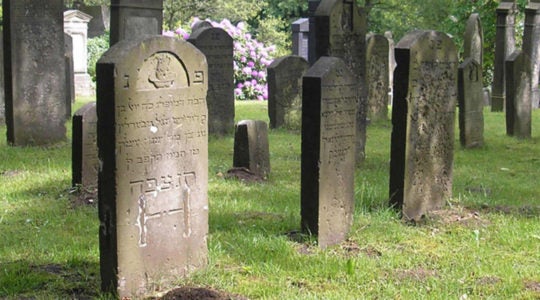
471 104
340 31
531 46
131 19
153 151
425 92
217 45
377 69
251 149
35 91
518 95
285 91
84 151
328 150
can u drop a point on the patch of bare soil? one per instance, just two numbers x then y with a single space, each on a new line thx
81 196
418 274
458 215
488 280
10 173
244 175
533 286
352 249
198 293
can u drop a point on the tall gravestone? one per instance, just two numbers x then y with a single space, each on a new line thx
2 101
217 46
300 38
421 156
84 151
340 31
391 65
131 19
471 104
34 70
76 25
377 67
251 149
70 76
285 91
153 151
328 150
505 43
473 40
518 95
101 19
531 46
312 39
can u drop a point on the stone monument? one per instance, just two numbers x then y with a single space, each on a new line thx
300 38
471 104
251 149
131 19
473 40
531 46
518 95
76 25
377 68
84 151
70 76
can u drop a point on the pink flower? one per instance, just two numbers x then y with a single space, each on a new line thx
250 64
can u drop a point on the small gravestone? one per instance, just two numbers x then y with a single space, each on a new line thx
153 152
84 152
505 43
285 91
217 46
471 104
300 37
425 94
70 76
340 31
377 68
131 19
35 77
328 150
487 97
531 47
518 95
251 149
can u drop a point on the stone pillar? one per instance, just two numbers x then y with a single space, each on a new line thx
531 47
300 38
518 95
131 19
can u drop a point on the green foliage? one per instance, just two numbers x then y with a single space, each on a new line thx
96 47
177 12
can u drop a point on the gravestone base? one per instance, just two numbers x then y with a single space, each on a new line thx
84 85
497 103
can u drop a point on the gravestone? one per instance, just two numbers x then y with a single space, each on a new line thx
2 101
340 31
518 95
328 150
76 25
251 149
425 94
217 46
153 151
300 38
392 64
131 19
377 68
471 104
101 19
70 76
285 91
505 43
473 41
84 151
35 77
487 97
531 46
201 24
312 42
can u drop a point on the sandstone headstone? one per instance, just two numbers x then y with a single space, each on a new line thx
487 97
35 88
300 38
153 151
70 73
518 95
201 24
84 151
531 47
377 65
285 91
505 43
425 94
340 31
251 149
328 150
392 64
76 25
131 19
101 19
217 46
471 104
473 41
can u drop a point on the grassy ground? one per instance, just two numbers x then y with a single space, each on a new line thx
485 245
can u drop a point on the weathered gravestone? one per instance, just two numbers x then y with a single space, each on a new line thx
312 8
35 88
285 91
487 96
300 37
340 31
377 69
328 150
518 95
471 104
84 151
425 93
473 40
70 75
153 151
531 46
131 19
101 19
2 101
201 24
391 65
505 43
217 45
76 25
251 149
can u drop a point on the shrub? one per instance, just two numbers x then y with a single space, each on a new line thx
96 47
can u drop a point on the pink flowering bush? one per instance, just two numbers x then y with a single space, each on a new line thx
250 59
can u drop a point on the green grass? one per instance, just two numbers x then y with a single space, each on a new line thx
486 245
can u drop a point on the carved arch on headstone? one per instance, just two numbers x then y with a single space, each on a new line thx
162 70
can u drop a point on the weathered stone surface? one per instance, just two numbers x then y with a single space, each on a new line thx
285 91
2 97
340 31
531 47
70 73
131 19
101 19
473 41
377 64
471 104
153 151
251 149
391 65
487 97
201 24
425 94
84 151
328 150
217 46
35 75
518 95
300 38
